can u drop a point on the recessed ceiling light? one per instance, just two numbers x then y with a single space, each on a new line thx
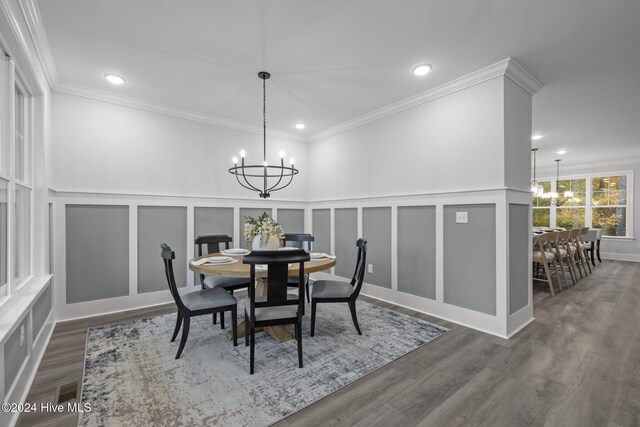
563 151
422 69
113 79
300 126
536 137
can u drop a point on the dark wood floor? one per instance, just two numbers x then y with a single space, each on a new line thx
578 364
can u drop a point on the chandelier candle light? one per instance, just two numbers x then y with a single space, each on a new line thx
554 196
263 178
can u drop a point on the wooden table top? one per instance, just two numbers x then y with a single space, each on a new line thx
239 269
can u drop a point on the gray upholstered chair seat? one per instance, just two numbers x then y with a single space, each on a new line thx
563 253
224 282
537 257
207 298
331 289
294 279
278 312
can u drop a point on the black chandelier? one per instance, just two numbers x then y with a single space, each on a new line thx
266 178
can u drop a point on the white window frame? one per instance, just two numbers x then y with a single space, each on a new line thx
10 79
588 220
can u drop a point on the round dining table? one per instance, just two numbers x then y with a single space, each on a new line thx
238 269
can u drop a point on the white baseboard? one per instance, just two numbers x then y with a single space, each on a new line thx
22 383
620 257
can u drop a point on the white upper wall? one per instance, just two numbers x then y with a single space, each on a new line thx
452 143
103 147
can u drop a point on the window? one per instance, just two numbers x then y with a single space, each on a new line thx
542 207
609 204
16 191
3 237
572 196
594 201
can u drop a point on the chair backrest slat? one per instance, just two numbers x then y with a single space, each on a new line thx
358 274
212 243
167 257
277 263
298 240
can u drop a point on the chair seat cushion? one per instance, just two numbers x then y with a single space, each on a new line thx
563 253
537 257
224 282
277 312
208 298
331 289
293 280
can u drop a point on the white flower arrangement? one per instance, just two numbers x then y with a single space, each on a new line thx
264 226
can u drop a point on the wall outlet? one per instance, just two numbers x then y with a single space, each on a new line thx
370 268
21 335
462 217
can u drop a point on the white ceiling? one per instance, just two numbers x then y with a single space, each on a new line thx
333 60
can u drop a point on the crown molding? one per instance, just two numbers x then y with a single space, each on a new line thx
31 57
508 67
126 101
522 78
33 18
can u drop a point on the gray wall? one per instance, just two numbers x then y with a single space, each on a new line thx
292 220
252 212
97 251
41 310
417 251
376 229
321 224
156 225
14 355
213 221
518 257
470 258
346 234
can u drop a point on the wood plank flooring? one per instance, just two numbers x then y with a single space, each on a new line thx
578 364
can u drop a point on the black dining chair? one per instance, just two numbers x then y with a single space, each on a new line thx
302 241
213 244
197 303
328 291
277 307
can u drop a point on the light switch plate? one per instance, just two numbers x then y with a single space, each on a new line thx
462 218
370 268
21 335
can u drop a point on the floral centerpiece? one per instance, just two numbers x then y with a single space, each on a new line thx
263 232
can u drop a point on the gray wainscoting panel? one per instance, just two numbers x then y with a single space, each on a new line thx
376 229
97 250
346 235
213 221
321 223
41 310
156 225
518 257
14 354
245 212
470 258
417 250
292 220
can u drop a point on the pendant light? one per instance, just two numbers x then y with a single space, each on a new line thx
536 189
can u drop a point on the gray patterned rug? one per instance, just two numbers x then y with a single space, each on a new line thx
131 377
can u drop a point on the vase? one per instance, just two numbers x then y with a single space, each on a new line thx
272 244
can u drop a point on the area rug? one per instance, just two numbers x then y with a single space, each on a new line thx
132 379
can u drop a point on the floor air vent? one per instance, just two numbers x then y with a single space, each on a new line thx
67 392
